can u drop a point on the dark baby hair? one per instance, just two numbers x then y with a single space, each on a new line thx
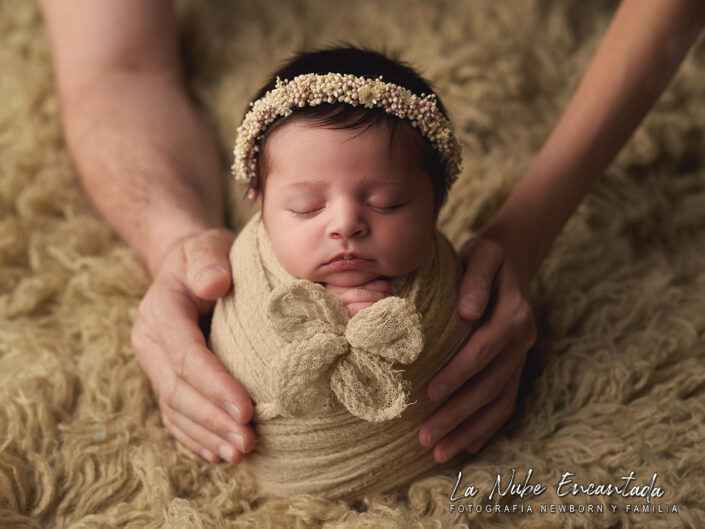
363 62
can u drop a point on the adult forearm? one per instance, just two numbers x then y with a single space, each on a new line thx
639 53
147 159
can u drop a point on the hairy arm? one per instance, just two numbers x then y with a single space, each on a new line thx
639 53
149 162
145 155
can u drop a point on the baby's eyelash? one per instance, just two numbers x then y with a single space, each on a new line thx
388 208
303 214
306 214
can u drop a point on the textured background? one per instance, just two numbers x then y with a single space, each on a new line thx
619 301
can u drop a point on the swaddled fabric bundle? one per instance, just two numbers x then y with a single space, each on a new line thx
338 401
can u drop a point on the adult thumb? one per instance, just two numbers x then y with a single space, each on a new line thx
482 260
207 264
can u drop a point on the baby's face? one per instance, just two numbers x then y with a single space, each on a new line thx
331 192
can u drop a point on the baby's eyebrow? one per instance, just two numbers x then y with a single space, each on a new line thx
318 184
322 184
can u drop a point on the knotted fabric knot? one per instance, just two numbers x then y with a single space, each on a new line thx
329 355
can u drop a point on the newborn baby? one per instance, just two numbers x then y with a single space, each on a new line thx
346 207
344 296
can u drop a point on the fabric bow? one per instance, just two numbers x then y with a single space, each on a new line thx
328 353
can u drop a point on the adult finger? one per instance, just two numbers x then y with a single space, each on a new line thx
509 316
189 442
207 264
175 395
492 417
178 395
476 430
229 451
151 357
176 328
483 259
478 392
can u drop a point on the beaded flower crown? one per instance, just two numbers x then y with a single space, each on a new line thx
313 89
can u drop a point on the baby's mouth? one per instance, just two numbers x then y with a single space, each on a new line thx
346 257
348 261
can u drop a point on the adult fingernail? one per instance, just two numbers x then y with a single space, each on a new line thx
237 441
227 452
234 411
471 305
441 391
210 273
434 436
449 452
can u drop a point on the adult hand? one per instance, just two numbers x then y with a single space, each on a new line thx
200 403
359 297
484 376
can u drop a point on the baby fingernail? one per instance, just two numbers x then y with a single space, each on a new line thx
234 411
237 441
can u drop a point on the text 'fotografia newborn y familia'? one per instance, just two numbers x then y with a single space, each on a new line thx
464 498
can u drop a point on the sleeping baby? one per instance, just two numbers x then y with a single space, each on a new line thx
344 298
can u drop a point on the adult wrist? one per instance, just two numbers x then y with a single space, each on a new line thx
522 235
537 209
516 249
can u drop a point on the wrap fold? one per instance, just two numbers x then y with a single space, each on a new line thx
326 353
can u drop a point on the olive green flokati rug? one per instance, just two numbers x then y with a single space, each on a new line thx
618 378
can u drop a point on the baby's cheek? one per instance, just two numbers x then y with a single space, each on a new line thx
294 249
409 254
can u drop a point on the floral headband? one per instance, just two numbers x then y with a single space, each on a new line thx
314 89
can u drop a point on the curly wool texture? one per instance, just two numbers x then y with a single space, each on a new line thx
338 400
619 383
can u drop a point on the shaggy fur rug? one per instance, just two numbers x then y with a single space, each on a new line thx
618 378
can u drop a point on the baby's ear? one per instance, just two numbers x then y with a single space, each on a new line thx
255 196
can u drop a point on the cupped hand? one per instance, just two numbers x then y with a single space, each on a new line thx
362 296
483 377
200 403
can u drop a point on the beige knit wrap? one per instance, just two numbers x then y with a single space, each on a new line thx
338 401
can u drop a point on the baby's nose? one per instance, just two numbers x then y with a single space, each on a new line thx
348 223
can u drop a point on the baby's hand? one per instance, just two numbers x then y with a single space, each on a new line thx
359 297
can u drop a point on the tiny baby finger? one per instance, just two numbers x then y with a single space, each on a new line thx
381 285
361 295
